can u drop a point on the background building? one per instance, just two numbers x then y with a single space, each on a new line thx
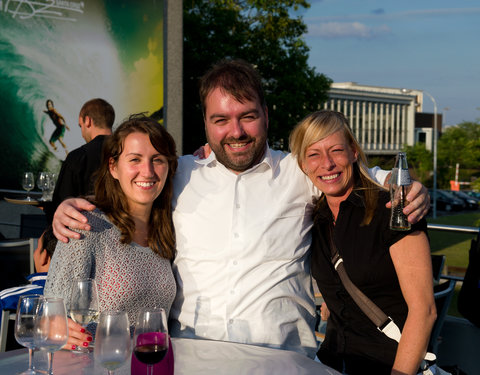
383 119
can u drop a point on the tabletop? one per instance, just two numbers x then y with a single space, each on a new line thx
191 357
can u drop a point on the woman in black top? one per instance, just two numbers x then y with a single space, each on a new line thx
392 268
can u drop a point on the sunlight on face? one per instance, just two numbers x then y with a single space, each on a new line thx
329 164
141 171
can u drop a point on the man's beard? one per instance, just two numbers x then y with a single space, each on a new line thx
241 161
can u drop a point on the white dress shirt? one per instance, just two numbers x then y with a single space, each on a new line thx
242 263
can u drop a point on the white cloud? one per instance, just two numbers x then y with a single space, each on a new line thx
346 30
382 14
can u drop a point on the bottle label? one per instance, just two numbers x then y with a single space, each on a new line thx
403 177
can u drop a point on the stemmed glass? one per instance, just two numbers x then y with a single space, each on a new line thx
43 182
27 309
51 329
52 180
151 337
113 344
28 183
84 305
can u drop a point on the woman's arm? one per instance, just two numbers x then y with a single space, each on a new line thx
70 262
412 260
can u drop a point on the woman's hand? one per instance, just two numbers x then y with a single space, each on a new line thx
203 152
77 336
68 215
324 311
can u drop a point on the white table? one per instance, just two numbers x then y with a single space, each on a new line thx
191 357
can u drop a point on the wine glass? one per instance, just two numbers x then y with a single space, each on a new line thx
43 182
52 180
113 344
28 183
151 337
51 328
25 326
84 305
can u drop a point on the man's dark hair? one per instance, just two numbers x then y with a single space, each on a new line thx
49 241
236 77
100 111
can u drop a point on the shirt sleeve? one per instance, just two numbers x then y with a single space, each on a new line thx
379 174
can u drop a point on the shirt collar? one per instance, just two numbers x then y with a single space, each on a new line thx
356 198
267 161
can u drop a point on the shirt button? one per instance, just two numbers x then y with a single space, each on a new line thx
236 235
237 205
235 262
232 292
230 321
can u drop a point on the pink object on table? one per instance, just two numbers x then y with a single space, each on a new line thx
164 367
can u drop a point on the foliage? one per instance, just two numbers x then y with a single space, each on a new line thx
458 144
263 33
420 162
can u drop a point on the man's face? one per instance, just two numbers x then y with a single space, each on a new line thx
236 132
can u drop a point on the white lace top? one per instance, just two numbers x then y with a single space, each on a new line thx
129 276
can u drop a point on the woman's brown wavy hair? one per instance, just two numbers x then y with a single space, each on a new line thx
109 196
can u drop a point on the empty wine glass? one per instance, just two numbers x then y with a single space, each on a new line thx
43 182
151 337
52 180
27 309
84 305
113 344
28 183
51 329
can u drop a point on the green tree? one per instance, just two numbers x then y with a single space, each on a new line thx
459 144
420 162
264 33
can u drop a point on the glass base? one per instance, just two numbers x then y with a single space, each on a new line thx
28 372
83 350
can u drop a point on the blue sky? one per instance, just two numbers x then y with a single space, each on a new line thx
430 45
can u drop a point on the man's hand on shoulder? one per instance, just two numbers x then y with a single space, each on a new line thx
68 216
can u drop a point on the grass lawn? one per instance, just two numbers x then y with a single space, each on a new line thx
454 246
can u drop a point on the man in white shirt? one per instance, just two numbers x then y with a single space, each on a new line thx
242 220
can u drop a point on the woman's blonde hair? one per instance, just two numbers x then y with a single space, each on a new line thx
321 124
111 199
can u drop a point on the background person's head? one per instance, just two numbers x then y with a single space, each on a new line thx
113 200
96 117
44 251
49 104
235 114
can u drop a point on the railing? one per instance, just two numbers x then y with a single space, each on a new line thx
453 228
456 229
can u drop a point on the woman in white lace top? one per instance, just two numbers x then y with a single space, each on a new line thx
129 249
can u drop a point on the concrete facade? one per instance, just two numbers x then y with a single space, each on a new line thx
382 118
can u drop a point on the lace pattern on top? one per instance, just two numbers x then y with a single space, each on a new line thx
129 276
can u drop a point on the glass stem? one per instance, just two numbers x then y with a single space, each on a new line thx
50 363
30 359
111 372
149 369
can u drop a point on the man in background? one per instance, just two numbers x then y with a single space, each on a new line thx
75 178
